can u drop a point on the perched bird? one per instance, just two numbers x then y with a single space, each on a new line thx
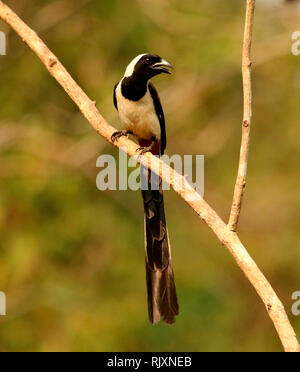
141 114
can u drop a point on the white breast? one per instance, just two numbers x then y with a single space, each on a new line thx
139 117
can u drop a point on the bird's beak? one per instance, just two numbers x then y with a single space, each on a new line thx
163 66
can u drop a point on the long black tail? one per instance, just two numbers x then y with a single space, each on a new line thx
162 298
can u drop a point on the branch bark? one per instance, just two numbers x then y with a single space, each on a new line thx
227 237
246 127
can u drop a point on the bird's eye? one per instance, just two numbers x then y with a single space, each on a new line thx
148 61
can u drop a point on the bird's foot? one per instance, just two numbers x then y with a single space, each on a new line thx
144 150
122 133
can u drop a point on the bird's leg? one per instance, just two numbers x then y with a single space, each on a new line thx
144 150
122 133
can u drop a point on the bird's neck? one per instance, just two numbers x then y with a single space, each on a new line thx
134 87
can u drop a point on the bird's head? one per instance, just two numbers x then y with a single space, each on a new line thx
146 66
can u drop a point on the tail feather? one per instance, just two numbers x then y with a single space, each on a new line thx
162 298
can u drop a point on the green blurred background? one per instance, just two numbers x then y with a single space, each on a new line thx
72 257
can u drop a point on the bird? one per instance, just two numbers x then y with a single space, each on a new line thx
141 113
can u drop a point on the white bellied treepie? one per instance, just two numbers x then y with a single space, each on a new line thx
141 114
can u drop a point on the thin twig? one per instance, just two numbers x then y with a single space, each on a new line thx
225 235
244 154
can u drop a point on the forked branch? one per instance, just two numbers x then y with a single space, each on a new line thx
224 234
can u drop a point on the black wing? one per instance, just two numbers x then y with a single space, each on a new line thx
115 97
161 116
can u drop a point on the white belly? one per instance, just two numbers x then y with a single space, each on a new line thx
139 117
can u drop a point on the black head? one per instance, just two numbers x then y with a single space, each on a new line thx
146 66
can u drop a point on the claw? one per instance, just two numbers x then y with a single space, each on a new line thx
117 135
143 150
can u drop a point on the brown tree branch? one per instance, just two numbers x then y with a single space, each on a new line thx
227 237
246 127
